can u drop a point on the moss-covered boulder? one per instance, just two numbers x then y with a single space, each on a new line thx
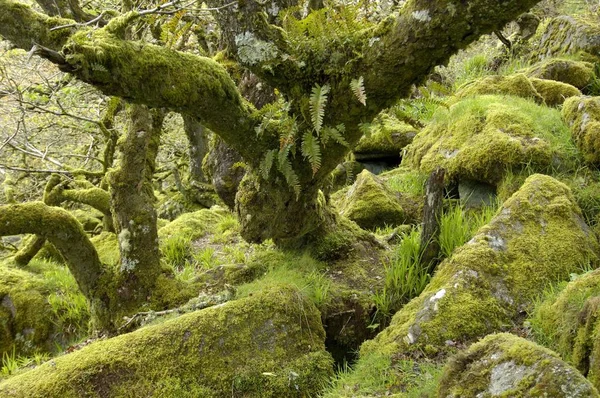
537 237
517 85
388 136
370 204
542 91
554 93
569 35
504 365
25 315
576 73
192 225
582 114
267 345
481 138
568 322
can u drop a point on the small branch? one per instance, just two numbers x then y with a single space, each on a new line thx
503 39
75 25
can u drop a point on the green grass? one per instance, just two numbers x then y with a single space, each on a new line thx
175 250
410 183
405 278
12 364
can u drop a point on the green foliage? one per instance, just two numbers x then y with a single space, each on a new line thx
410 182
206 258
12 363
312 150
335 134
405 277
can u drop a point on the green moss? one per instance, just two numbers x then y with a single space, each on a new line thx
192 226
107 246
270 344
517 85
568 35
582 114
371 204
504 365
88 220
553 92
388 136
482 138
576 73
538 237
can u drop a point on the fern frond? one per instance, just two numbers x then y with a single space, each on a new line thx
312 150
334 133
358 88
267 163
285 167
318 101
365 128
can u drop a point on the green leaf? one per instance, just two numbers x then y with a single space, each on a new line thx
334 133
267 163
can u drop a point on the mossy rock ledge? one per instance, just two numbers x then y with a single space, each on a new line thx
370 204
387 139
582 114
537 237
481 138
576 73
268 345
504 365
569 35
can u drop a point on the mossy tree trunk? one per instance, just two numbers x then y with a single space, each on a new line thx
132 201
282 204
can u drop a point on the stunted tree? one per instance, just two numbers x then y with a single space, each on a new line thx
335 69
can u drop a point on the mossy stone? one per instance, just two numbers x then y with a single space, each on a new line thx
538 237
387 138
370 204
504 365
582 114
576 73
268 345
569 35
553 92
482 138
518 85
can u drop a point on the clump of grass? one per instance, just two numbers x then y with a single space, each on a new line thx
410 183
176 250
458 226
405 277
11 363
206 258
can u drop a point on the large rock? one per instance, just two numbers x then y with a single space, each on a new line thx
576 73
582 114
568 35
481 138
370 204
267 345
538 237
542 91
504 365
569 322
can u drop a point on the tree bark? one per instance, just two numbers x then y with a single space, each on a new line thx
132 202
432 213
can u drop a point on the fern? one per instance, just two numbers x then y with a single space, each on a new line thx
365 128
358 88
334 133
318 101
285 167
311 150
267 163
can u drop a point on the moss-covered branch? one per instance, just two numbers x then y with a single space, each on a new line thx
23 26
64 232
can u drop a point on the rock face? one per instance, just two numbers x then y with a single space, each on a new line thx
582 114
370 204
480 138
504 365
222 165
537 237
568 323
576 73
568 35
267 345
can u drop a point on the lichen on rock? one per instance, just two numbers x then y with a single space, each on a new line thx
538 237
504 365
